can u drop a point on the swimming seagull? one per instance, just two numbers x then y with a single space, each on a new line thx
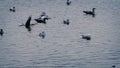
87 37
12 9
67 22
42 35
90 12
1 32
43 14
27 24
113 66
68 2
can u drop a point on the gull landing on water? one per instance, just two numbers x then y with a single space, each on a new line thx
42 19
90 12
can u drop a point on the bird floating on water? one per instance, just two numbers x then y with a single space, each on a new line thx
43 14
68 2
1 32
113 66
42 35
90 12
67 22
12 9
86 36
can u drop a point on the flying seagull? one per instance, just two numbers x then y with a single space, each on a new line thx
27 24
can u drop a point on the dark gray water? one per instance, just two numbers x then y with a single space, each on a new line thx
62 46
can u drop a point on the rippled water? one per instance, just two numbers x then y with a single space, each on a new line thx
62 46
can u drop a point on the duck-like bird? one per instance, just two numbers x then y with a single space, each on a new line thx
90 12
1 32
42 35
113 66
67 22
12 9
27 24
87 37
68 2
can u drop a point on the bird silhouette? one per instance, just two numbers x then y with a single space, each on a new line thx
27 24
12 9
68 2
42 35
1 32
42 19
113 66
90 12
87 37
67 22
